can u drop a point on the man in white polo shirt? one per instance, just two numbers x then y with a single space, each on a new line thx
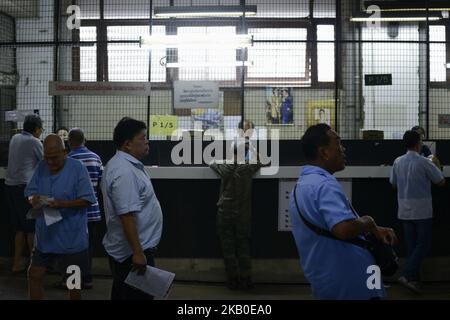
25 152
412 175
132 211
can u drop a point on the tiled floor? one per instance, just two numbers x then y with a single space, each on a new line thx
14 287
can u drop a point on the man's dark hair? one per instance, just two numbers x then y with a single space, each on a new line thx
76 136
127 129
315 137
250 123
411 138
419 129
31 123
62 128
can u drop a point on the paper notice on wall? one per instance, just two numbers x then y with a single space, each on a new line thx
163 125
15 115
195 94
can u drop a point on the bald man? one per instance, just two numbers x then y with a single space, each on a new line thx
60 183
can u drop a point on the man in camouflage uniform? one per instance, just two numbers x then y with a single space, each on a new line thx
234 220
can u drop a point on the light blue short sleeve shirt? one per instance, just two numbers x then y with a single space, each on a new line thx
127 188
335 269
69 235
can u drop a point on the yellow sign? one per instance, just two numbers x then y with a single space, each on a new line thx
163 125
320 111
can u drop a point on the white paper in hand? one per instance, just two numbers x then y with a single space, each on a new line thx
51 215
155 282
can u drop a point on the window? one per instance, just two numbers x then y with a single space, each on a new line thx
88 55
118 9
129 62
438 69
325 53
278 60
324 8
209 63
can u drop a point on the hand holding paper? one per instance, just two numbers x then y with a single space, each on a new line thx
40 205
155 282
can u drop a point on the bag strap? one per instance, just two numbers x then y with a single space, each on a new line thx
325 233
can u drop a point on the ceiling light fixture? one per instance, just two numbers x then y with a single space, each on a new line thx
204 11
407 16
398 6
208 64
177 41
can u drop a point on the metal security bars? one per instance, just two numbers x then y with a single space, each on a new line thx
309 62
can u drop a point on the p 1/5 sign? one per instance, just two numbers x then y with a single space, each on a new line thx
163 125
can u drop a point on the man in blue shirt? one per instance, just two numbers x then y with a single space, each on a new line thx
132 210
66 183
336 269
412 175
94 166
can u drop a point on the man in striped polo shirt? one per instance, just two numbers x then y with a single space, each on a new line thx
94 166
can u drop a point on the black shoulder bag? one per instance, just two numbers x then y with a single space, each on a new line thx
384 254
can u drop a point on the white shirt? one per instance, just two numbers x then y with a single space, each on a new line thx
412 175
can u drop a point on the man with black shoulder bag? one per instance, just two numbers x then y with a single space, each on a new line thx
338 249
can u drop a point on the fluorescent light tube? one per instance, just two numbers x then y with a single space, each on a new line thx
392 19
204 11
207 64
176 41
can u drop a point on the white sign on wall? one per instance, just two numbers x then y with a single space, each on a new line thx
195 94
16 115
68 88
285 188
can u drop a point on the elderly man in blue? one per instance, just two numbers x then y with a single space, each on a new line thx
132 211
336 269
412 175
66 182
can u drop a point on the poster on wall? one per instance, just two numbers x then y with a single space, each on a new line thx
320 111
444 121
279 105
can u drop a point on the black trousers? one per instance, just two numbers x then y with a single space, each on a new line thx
92 227
120 270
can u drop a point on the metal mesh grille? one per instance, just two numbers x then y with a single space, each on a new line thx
308 63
